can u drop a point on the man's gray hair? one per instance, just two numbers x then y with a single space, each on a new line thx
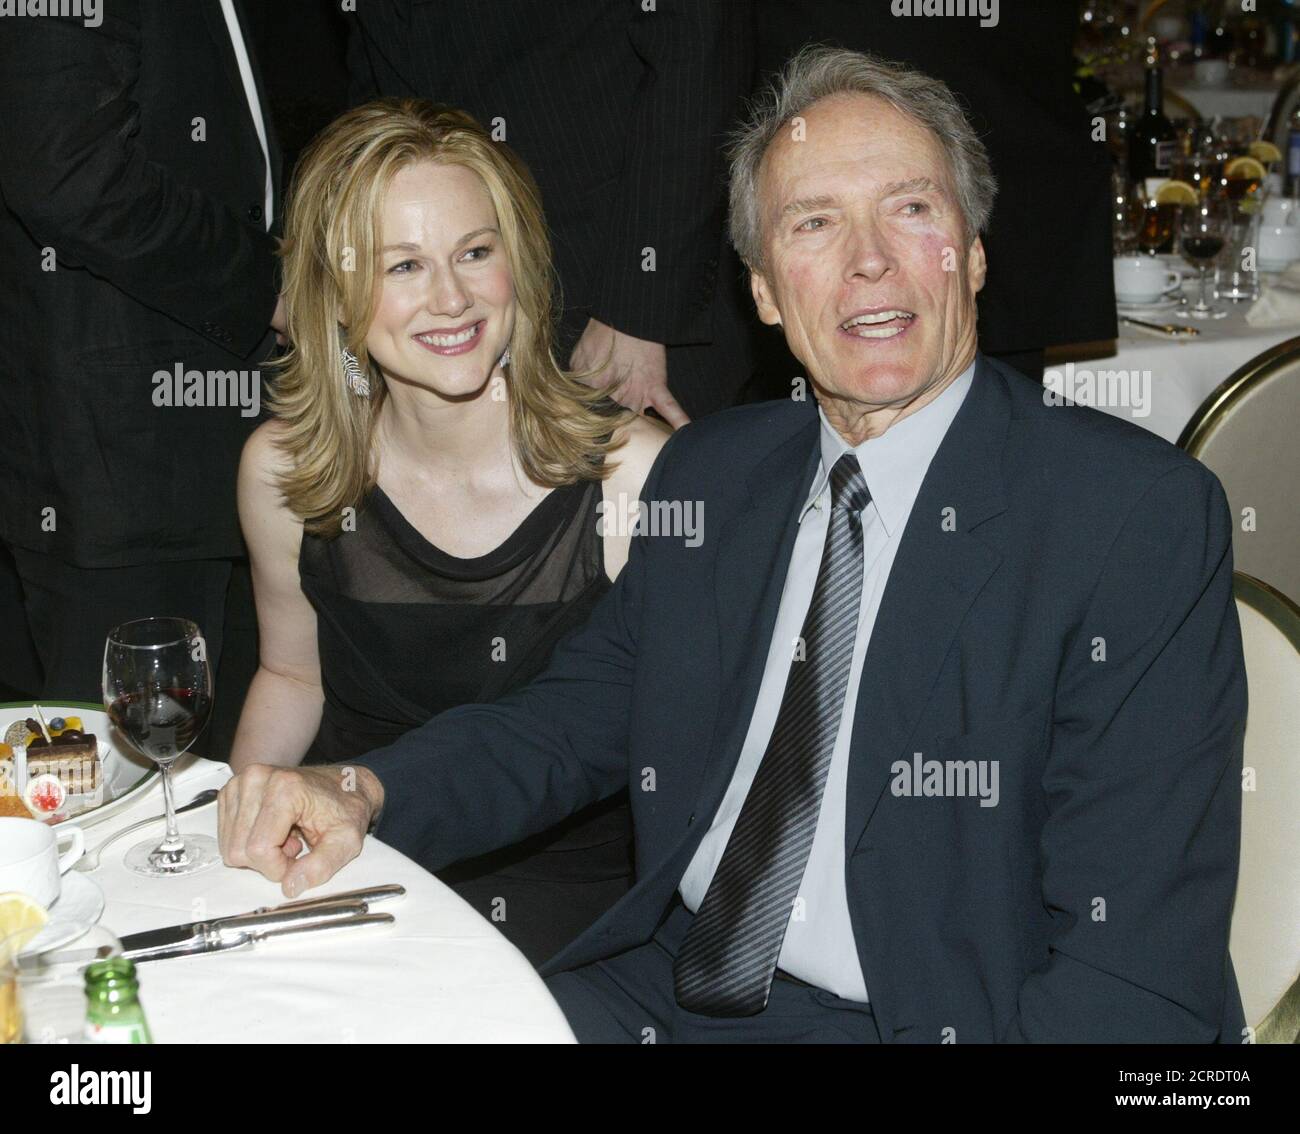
817 72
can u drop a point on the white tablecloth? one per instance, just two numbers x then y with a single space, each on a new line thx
1176 375
440 973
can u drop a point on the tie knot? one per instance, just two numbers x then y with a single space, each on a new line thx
848 485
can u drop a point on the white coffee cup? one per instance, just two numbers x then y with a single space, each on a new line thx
30 861
1279 246
1278 211
1210 72
1143 279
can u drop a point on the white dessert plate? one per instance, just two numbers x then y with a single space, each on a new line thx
126 772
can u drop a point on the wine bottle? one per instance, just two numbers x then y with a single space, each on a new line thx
1151 149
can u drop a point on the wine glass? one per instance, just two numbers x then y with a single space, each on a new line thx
1155 222
158 692
1204 227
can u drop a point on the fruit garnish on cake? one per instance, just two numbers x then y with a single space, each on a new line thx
69 754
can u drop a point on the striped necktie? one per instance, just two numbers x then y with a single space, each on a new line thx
726 962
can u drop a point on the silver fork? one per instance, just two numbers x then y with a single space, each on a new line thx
90 860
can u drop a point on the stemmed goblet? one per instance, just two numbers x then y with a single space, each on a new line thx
158 692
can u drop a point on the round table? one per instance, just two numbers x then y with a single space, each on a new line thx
1253 100
1170 376
439 974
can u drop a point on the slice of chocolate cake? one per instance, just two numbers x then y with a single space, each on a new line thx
72 755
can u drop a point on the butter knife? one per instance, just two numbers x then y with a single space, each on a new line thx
241 933
228 938
369 895
180 940
206 937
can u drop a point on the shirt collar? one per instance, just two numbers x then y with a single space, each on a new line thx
895 463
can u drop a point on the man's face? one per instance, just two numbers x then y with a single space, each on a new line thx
866 265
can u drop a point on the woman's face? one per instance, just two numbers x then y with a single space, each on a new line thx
445 303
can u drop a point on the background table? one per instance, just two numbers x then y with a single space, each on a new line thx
1183 372
1252 100
440 973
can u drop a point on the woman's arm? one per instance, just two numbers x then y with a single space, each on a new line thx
645 437
283 709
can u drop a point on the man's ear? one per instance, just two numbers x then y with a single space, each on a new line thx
763 300
977 266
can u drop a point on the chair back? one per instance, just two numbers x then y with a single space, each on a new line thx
1246 434
1265 935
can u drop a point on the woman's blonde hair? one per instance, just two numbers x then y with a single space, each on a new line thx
561 428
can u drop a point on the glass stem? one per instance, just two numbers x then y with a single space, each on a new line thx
172 841
1203 306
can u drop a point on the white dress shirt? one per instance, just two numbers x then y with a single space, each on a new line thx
250 93
819 946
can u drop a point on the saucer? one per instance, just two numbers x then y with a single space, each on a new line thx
1153 307
78 906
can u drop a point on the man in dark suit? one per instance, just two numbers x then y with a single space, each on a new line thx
620 112
933 729
139 180
1049 239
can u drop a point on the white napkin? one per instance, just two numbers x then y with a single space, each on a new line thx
1279 301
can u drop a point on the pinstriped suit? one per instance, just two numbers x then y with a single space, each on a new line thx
620 114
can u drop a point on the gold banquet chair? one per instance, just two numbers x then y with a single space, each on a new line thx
1265 936
1246 433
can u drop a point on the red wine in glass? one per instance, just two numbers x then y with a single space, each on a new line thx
1204 229
162 723
1199 249
158 694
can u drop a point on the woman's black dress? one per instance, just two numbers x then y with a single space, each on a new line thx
406 631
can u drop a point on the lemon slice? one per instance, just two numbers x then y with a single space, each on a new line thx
21 919
1246 168
1265 152
1176 193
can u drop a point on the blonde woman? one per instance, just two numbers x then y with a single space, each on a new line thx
422 510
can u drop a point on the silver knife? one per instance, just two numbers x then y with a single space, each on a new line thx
202 936
326 907
228 939
369 895
213 941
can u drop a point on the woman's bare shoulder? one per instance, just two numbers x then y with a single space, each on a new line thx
263 509
644 437
264 453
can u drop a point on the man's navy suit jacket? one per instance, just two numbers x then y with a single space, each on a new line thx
1061 603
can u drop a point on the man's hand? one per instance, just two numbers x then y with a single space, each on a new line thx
266 814
280 321
642 364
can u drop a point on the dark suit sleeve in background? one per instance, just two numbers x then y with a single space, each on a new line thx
1143 785
72 173
671 195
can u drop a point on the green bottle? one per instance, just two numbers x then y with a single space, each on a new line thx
113 1010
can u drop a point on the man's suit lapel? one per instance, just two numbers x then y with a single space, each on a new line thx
934 579
272 138
221 38
755 546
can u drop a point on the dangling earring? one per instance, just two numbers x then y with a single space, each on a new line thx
504 360
353 378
